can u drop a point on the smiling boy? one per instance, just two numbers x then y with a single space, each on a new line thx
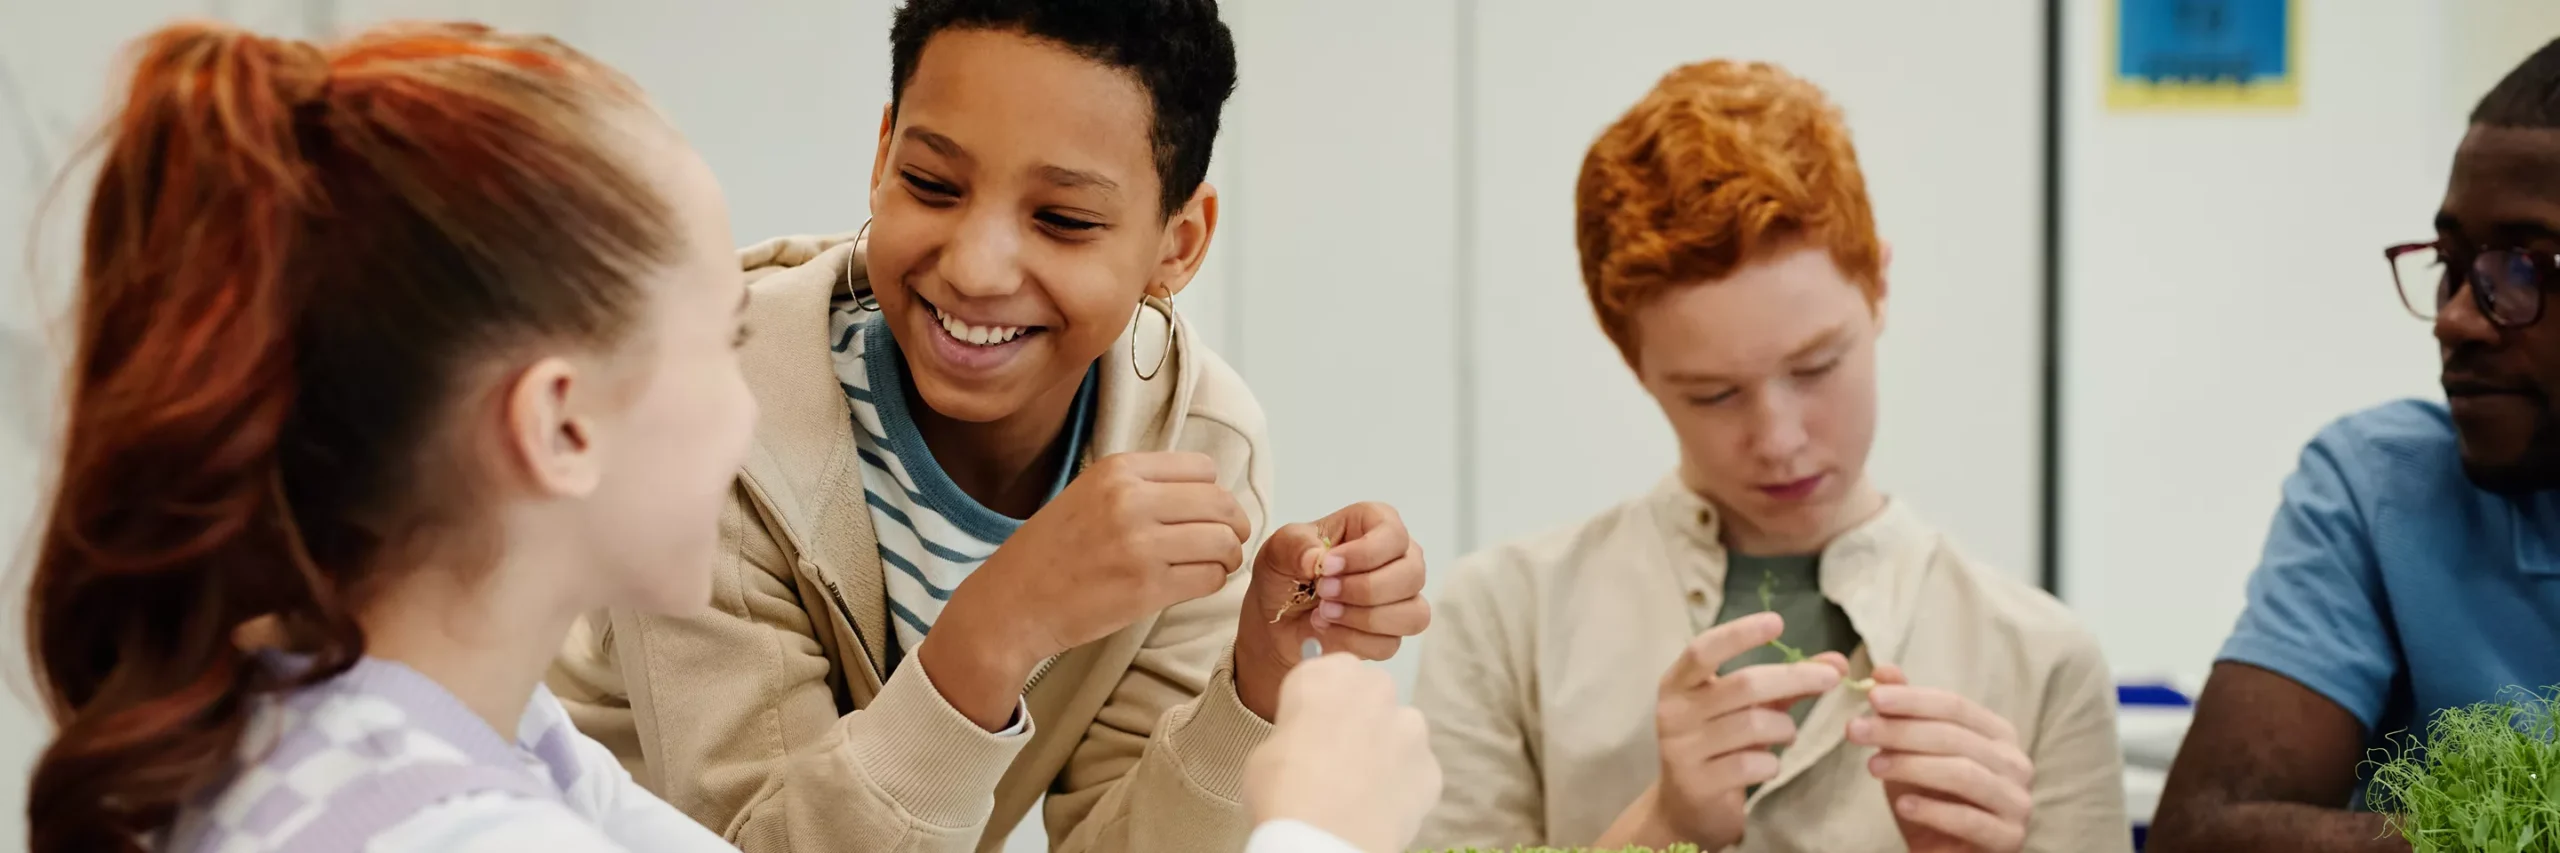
992 543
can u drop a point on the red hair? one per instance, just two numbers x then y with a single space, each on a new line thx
1722 164
292 258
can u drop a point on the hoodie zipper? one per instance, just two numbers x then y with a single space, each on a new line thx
1039 672
846 610
837 596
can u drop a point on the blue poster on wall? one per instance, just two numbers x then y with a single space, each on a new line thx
2203 53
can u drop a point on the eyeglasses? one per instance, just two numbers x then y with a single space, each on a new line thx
2506 284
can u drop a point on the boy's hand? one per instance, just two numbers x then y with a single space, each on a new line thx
1952 770
1715 733
1133 534
1368 597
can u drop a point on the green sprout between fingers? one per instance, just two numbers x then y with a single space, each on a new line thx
1769 603
2484 779
1672 849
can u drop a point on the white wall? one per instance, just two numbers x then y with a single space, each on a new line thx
2226 297
1945 102
783 99
2486 39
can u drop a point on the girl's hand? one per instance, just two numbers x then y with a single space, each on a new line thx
1345 758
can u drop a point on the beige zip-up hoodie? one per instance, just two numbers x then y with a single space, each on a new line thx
1545 658
768 719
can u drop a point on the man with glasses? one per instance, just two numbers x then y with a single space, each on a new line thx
2415 563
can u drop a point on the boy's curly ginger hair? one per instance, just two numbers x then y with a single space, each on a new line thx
1722 164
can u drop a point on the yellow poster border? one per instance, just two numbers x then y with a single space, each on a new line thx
2126 94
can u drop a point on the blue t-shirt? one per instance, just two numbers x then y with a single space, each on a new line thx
2393 586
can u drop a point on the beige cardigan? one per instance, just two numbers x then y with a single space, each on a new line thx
1541 669
767 719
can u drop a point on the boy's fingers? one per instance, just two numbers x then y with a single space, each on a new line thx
1374 536
1709 650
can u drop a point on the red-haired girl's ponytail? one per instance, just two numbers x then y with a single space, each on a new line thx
290 257
185 379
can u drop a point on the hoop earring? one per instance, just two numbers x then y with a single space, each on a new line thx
1163 306
862 253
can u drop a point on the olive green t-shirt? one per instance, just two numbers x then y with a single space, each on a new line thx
1788 585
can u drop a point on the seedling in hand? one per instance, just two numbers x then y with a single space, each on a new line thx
1303 595
1768 602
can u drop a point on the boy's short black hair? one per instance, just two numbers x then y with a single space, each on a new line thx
1178 50
2529 97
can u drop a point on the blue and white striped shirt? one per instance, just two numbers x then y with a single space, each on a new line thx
932 535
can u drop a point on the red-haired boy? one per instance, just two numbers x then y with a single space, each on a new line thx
1615 683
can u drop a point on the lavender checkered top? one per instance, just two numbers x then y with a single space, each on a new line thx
384 759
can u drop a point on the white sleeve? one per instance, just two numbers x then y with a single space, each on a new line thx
494 823
1021 719
628 813
1289 836
603 811
498 822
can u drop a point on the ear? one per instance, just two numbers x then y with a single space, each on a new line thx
1884 280
880 158
1884 266
1186 242
552 442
